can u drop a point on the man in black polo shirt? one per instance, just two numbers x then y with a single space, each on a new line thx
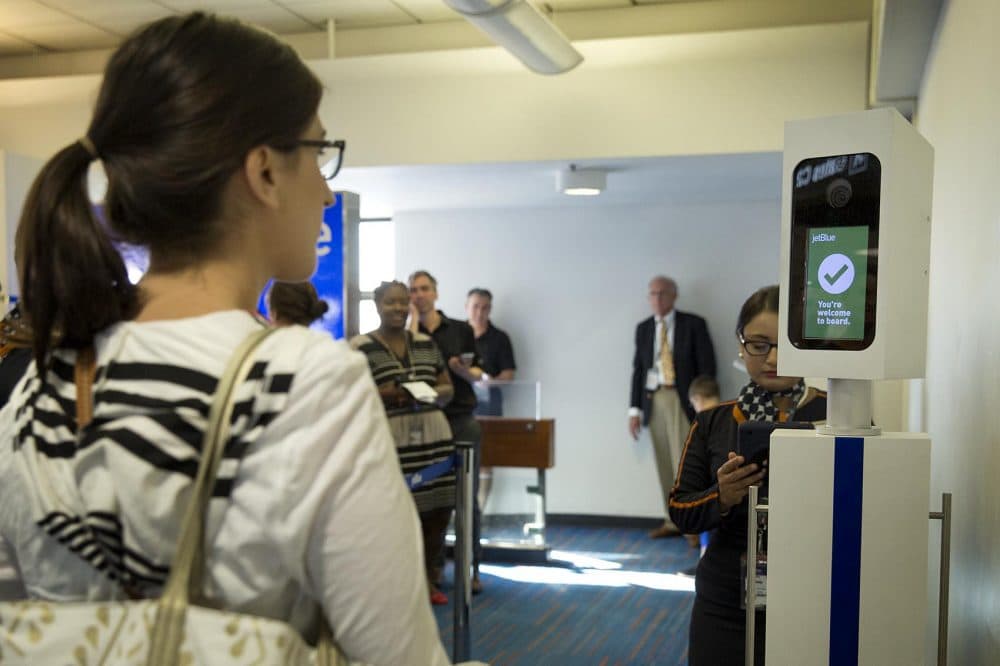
496 358
493 347
457 343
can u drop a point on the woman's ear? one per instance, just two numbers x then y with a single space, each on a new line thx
260 173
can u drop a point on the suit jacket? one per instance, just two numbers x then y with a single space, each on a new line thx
693 355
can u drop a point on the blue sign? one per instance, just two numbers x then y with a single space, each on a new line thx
329 276
328 279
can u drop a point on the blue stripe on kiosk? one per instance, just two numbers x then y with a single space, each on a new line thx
845 578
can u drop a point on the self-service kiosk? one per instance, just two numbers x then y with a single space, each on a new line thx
848 504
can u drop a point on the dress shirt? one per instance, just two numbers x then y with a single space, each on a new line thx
667 321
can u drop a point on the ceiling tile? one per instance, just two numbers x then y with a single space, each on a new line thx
118 16
10 46
351 13
274 18
576 5
17 13
102 7
231 7
66 36
429 11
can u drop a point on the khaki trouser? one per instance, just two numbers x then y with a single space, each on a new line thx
668 428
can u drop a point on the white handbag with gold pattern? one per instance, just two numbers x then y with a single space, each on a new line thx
171 630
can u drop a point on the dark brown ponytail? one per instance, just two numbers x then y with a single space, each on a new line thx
73 281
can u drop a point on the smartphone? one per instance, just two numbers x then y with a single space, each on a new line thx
753 441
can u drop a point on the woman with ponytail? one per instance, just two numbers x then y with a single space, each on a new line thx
208 132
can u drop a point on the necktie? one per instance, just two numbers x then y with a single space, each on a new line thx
666 356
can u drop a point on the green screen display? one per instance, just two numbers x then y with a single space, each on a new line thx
836 280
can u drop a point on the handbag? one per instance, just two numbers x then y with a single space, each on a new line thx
172 630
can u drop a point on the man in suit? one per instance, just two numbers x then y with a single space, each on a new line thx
671 349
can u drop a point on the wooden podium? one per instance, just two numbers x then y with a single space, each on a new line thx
509 442
517 442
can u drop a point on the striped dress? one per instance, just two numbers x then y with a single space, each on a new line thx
422 436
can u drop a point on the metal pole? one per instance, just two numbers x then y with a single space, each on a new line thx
751 591
945 582
463 549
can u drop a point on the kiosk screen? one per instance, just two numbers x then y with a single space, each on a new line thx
833 270
836 278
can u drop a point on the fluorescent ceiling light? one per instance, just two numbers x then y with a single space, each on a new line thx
581 182
524 31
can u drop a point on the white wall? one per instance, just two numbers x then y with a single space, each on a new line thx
958 114
669 95
17 172
702 93
569 286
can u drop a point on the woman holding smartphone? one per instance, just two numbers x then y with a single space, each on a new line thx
423 438
713 481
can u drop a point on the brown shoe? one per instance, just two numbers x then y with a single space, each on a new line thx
476 586
663 531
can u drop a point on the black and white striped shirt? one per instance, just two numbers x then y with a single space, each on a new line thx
309 505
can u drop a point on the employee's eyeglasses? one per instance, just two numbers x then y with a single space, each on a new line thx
329 164
757 347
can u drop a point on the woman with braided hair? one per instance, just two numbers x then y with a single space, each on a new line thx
420 429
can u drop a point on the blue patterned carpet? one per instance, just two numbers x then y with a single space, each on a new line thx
613 596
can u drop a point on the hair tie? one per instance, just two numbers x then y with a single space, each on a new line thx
89 146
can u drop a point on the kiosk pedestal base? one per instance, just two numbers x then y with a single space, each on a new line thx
847 549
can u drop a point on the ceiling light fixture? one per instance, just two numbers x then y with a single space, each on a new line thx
524 31
581 182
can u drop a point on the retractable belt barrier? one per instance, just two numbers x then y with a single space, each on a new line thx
431 472
464 499
462 461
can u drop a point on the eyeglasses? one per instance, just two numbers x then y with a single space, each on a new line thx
328 166
757 347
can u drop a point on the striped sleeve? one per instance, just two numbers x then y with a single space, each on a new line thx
694 499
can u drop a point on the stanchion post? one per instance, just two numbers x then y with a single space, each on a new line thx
944 583
751 581
465 468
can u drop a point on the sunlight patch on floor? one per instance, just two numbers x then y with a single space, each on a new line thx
585 560
593 577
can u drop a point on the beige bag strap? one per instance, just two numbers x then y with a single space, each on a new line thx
83 376
185 580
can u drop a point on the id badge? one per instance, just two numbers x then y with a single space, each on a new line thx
760 571
760 592
652 380
416 432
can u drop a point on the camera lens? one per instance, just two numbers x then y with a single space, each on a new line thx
838 193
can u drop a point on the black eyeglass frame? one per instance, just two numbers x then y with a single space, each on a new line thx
339 144
770 345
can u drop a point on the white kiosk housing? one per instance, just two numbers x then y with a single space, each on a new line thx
848 505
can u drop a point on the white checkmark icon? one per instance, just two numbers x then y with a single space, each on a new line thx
836 273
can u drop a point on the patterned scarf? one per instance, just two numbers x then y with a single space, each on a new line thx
758 403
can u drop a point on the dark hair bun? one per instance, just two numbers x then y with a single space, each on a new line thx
319 309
